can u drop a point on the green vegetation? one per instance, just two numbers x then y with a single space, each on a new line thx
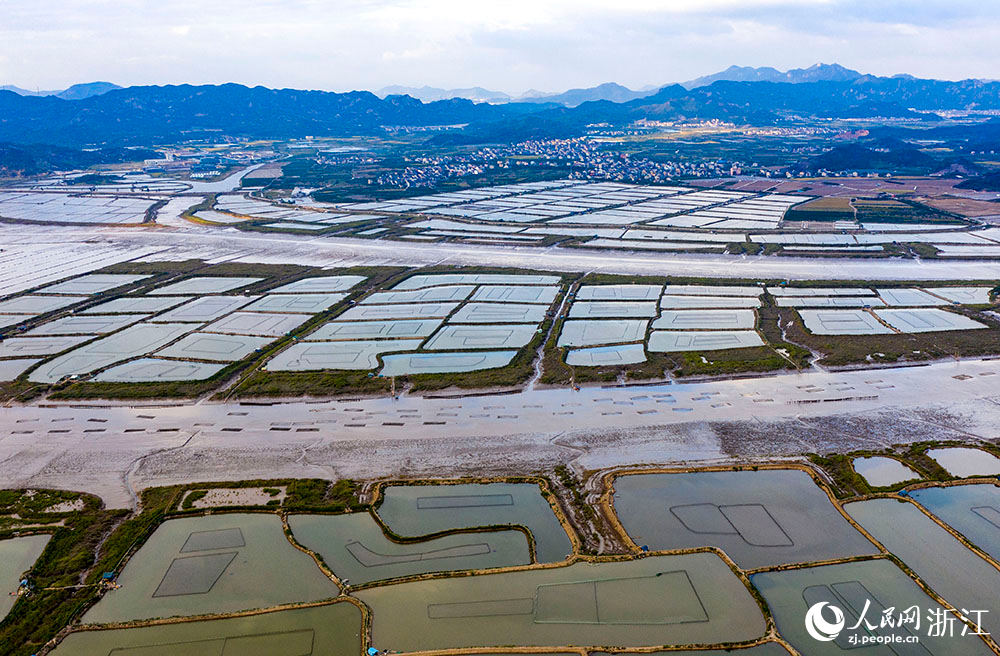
55 601
899 210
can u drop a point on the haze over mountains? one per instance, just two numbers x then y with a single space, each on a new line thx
145 115
75 92
617 93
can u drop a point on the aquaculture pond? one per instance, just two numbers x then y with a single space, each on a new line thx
881 472
330 630
759 518
953 571
849 586
213 564
964 462
661 600
355 548
17 555
972 510
415 510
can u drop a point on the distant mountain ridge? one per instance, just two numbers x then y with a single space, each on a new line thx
75 92
815 73
432 94
164 114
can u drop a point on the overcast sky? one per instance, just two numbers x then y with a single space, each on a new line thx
514 45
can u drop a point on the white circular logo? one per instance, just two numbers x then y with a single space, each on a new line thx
818 627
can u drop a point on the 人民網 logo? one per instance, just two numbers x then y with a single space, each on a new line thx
818 627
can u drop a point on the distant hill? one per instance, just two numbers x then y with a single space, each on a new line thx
31 159
433 94
609 91
86 90
815 73
883 156
75 92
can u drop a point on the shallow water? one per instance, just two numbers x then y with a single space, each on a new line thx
332 630
966 462
213 564
880 472
848 586
972 510
17 555
953 571
661 600
355 548
761 518
414 510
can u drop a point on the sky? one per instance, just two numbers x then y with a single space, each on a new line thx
511 46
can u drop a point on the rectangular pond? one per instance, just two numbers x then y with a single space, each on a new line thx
759 518
925 320
606 356
705 319
682 302
318 285
205 309
444 363
137 305
95 324
604 310
398 311
212 564
420 281
93 283
662 600
205 285
704 340
618 292
597 333
499 313
842 322
444 294
218 348
129 343
849 586
329 630
256 323
36 304
453 337
354 355
297 303
156 370
953 571
972 510
355 547
515 294
388 329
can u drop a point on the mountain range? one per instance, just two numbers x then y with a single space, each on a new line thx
141 116
75 92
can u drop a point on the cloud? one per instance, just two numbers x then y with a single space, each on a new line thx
513 45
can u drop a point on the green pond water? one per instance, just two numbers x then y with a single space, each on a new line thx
953 571
848 586
972 510
213 564
660 600
415 510
355 548
331 630
759 519
17 555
